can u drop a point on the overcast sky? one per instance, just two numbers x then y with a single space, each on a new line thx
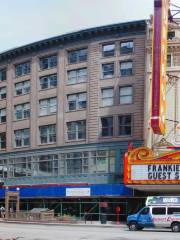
26 21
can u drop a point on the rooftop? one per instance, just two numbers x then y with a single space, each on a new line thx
121 28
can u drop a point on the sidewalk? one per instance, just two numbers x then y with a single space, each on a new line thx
78 223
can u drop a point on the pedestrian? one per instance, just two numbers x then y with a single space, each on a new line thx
2 211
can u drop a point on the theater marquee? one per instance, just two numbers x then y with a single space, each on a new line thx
144 167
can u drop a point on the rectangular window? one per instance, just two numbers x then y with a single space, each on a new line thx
2 140
107 126
2 93
125 95
47 106
77 76
158 210
47 134
77 162
2 75
126 47
22 111
108 50
101 161
22 137
76 130
22 69
76 56
171 35
126 68
108 70
48 62
48 165
125 125
173 210
22 88
2 115
107 97
76 101
49 81
169 60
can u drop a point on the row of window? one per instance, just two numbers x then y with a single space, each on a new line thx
109 50
76 130
75 102
74 56
75 76
62 164
161 210
125 69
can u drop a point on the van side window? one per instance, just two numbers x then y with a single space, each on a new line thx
159 211
174 210
145 211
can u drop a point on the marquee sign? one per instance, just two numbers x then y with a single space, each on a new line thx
142 166
159 58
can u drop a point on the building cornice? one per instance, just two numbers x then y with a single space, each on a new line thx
124 28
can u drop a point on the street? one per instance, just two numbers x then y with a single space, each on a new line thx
9 231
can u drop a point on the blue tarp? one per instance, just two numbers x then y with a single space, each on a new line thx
54 191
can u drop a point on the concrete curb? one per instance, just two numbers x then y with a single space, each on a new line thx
122 225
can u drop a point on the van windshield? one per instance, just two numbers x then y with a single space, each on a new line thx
136 210
144 211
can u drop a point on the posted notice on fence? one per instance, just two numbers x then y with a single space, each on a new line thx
78 192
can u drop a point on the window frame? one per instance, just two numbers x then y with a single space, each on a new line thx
103 51
104 76
158 208
77 76
171 60
103 98
125 125
78 129
126 95
173 213
22 137
22 88
24 111
129 71
77 55
50 134
171 35
48 107
126 52
24 70
49 81
1 141
3 72
3 116
110 129
52 62
5 93
76 101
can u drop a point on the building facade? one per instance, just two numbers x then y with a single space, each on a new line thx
150 168
172 135
69 105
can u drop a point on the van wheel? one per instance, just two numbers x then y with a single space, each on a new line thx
133 226
175 227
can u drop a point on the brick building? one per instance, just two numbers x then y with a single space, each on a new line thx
69 105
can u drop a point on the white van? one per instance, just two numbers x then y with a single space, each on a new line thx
159 212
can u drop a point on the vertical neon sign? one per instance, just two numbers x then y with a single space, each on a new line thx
159 58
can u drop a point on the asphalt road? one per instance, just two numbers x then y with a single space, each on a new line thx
9 231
